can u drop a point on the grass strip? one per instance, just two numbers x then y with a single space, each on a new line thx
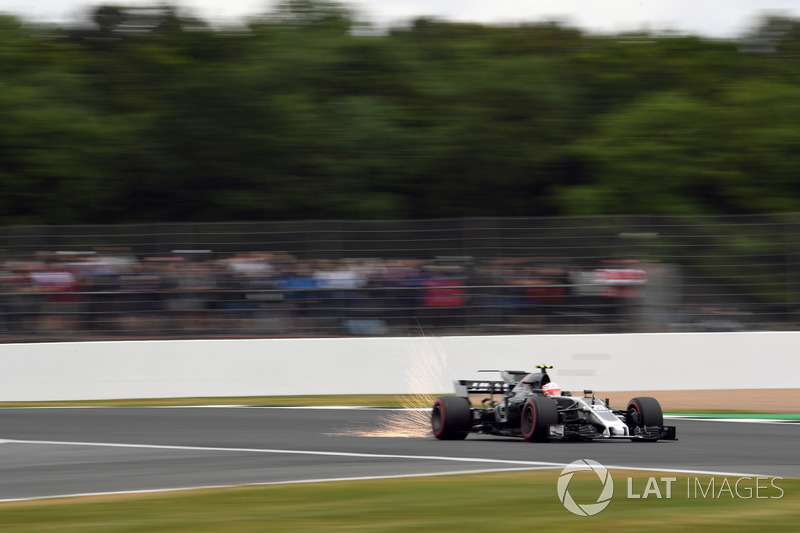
516 501
358 400
743 415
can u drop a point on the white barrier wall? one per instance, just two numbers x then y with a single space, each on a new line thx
217 368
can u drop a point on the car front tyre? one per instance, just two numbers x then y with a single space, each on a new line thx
643 412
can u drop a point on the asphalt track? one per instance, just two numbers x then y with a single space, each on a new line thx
48 452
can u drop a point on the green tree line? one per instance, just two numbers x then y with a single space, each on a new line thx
150 114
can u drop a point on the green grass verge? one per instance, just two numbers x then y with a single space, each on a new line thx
365 400
520 501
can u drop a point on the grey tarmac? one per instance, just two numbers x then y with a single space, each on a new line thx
48 452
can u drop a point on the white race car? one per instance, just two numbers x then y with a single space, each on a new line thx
528 405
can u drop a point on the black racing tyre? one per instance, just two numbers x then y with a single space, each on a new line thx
451 418
642 412
538 414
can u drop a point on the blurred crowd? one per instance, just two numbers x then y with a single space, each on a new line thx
199 294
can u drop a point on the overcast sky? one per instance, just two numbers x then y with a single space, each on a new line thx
713 18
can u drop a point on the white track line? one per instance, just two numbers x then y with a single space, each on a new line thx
522 466
368 408
291 452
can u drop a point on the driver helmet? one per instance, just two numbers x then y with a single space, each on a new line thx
551 389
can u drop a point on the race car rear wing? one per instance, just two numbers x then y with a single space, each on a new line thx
465 387
511 378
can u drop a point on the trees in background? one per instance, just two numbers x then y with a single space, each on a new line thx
153 115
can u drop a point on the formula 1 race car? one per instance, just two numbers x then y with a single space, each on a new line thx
531 406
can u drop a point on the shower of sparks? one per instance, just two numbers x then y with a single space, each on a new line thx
424 368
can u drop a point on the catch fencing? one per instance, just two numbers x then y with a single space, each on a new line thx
471 276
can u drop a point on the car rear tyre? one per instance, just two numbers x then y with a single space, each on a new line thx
537 417
451 418
641 413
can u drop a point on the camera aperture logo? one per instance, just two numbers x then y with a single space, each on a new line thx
698 487
585 509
